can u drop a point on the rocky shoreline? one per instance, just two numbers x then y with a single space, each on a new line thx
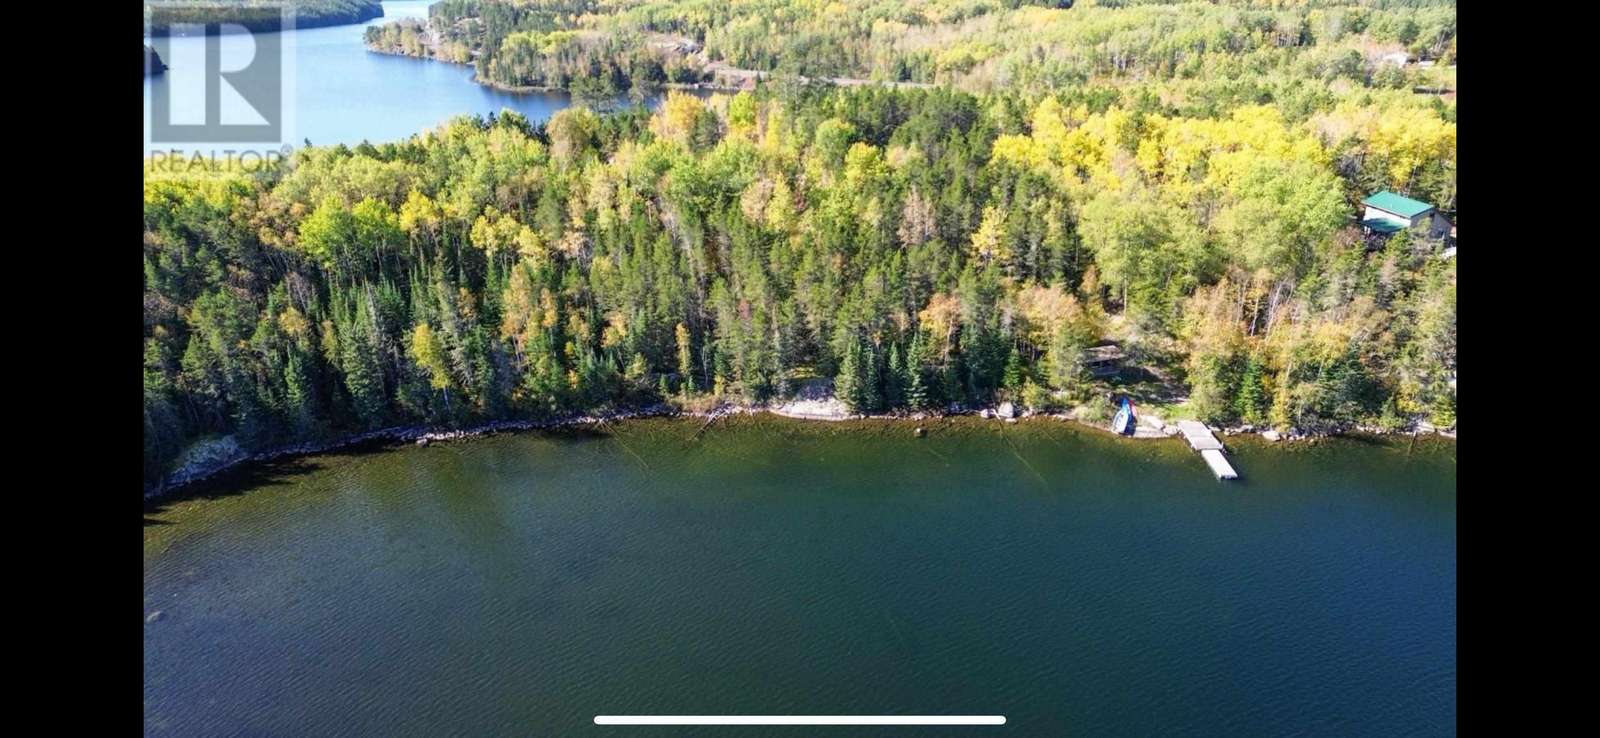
206 468
227 455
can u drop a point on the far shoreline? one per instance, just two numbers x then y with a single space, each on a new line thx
262 23
187 477
544 89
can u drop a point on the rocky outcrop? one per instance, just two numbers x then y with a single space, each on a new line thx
208 458
204 458
815 401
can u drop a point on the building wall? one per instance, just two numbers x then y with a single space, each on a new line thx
1432 222
1439 227
1373 212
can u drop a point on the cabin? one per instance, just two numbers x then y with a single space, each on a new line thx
1103 361
1388 213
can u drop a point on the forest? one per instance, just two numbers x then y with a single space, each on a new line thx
257 15
1302 52
923 248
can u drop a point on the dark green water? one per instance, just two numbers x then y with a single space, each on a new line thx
1075 583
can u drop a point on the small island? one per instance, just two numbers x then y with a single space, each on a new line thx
255 15
152 62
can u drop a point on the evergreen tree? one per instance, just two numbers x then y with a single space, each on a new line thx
302 393
1065 357
847 384
952 390
362 373
871 392
917 395
1014 375
685 364
1251 401
894 379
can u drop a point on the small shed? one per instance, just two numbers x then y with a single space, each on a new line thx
1104 361
1388 213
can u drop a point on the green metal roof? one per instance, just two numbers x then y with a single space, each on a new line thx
1400 205
1383 225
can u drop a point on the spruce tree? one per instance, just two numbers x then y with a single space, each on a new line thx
953 391
894 379
871 382
362 375
1251 401
1066 361
1012 381
685 365
917 395
301 391
847 384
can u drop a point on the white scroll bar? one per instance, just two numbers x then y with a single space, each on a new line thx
799 720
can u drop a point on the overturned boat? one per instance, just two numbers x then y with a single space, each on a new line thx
1125 421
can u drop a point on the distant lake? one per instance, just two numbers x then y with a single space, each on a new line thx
1077 583
339 91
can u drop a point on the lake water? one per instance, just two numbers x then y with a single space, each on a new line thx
1077 583
338 92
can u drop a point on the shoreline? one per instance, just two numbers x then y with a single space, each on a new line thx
185 477
718 76
544 89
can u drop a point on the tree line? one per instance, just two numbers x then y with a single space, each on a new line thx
921 247
258 15
1246 50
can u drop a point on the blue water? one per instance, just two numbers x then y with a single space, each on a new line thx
1077 583
336 91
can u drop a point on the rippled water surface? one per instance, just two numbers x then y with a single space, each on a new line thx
1076 583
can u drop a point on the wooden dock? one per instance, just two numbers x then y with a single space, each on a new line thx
1200 438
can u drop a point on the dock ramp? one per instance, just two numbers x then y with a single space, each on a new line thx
1200 438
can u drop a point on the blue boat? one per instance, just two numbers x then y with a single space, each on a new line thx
1125 421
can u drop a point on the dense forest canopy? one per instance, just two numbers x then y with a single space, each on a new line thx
921 247
1189 55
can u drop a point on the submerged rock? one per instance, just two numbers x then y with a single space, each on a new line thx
919 432
422 441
